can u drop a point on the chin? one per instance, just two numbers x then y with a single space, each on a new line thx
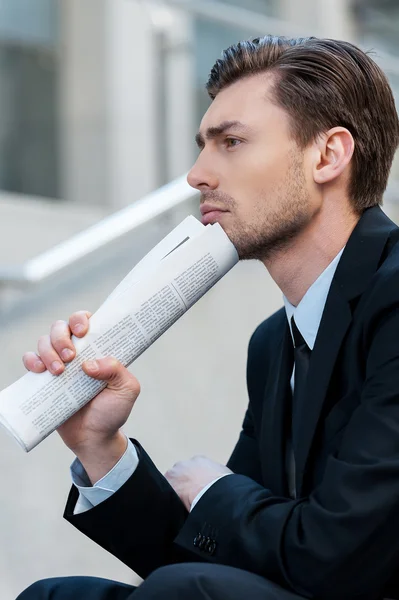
227 231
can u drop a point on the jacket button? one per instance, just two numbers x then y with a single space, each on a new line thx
197 540
202 543
206 544
211 547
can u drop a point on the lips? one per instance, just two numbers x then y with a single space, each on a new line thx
207 208
211 214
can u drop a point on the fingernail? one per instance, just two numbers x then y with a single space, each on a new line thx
38 364
92 365
78 328
67 354
56 366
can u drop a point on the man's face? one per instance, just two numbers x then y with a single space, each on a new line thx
250 171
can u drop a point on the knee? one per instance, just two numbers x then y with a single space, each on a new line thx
171 581
63 588
40 590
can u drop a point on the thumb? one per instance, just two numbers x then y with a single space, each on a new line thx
113 372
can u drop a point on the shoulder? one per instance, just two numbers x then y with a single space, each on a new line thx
379 302
268 331
265 339
262 347
388 271
382 294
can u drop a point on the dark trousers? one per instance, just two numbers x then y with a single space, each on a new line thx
186 581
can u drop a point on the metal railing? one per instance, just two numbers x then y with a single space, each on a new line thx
99 235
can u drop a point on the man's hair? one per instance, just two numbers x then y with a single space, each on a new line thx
323 83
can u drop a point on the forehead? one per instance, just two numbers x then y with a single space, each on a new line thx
249 101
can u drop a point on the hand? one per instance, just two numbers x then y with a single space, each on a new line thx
189 477
93 433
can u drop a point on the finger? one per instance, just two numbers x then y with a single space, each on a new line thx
60 337
113 372
172 477
49 356
169 476
32 362
79 322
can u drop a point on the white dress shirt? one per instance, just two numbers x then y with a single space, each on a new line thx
309 311
307 317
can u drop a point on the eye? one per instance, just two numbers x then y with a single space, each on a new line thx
232 142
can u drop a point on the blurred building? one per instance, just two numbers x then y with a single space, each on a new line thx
100 99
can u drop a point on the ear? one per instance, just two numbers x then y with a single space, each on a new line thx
334 152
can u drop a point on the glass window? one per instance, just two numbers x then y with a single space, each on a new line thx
377 23
29 22
266 7
376 26
211 38
28 97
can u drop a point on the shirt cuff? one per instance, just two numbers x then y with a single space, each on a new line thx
205 489
90 496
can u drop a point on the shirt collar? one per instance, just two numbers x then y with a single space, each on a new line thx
309 311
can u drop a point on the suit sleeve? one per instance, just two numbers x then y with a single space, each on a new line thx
245 457
139 522
343 540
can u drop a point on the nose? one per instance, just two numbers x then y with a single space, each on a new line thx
202 177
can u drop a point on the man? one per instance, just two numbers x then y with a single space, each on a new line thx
295 153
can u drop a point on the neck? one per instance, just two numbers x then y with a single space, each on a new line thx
297 266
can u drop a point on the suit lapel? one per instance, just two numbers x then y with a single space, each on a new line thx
355 270
277 415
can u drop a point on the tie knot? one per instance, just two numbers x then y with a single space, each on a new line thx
297 335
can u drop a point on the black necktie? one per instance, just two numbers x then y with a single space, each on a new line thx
302 355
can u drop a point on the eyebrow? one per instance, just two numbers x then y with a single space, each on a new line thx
214 132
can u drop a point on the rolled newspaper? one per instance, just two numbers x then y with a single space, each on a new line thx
153 296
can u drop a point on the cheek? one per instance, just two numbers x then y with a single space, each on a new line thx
253 177
260 170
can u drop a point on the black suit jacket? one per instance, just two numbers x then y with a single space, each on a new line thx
340 538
